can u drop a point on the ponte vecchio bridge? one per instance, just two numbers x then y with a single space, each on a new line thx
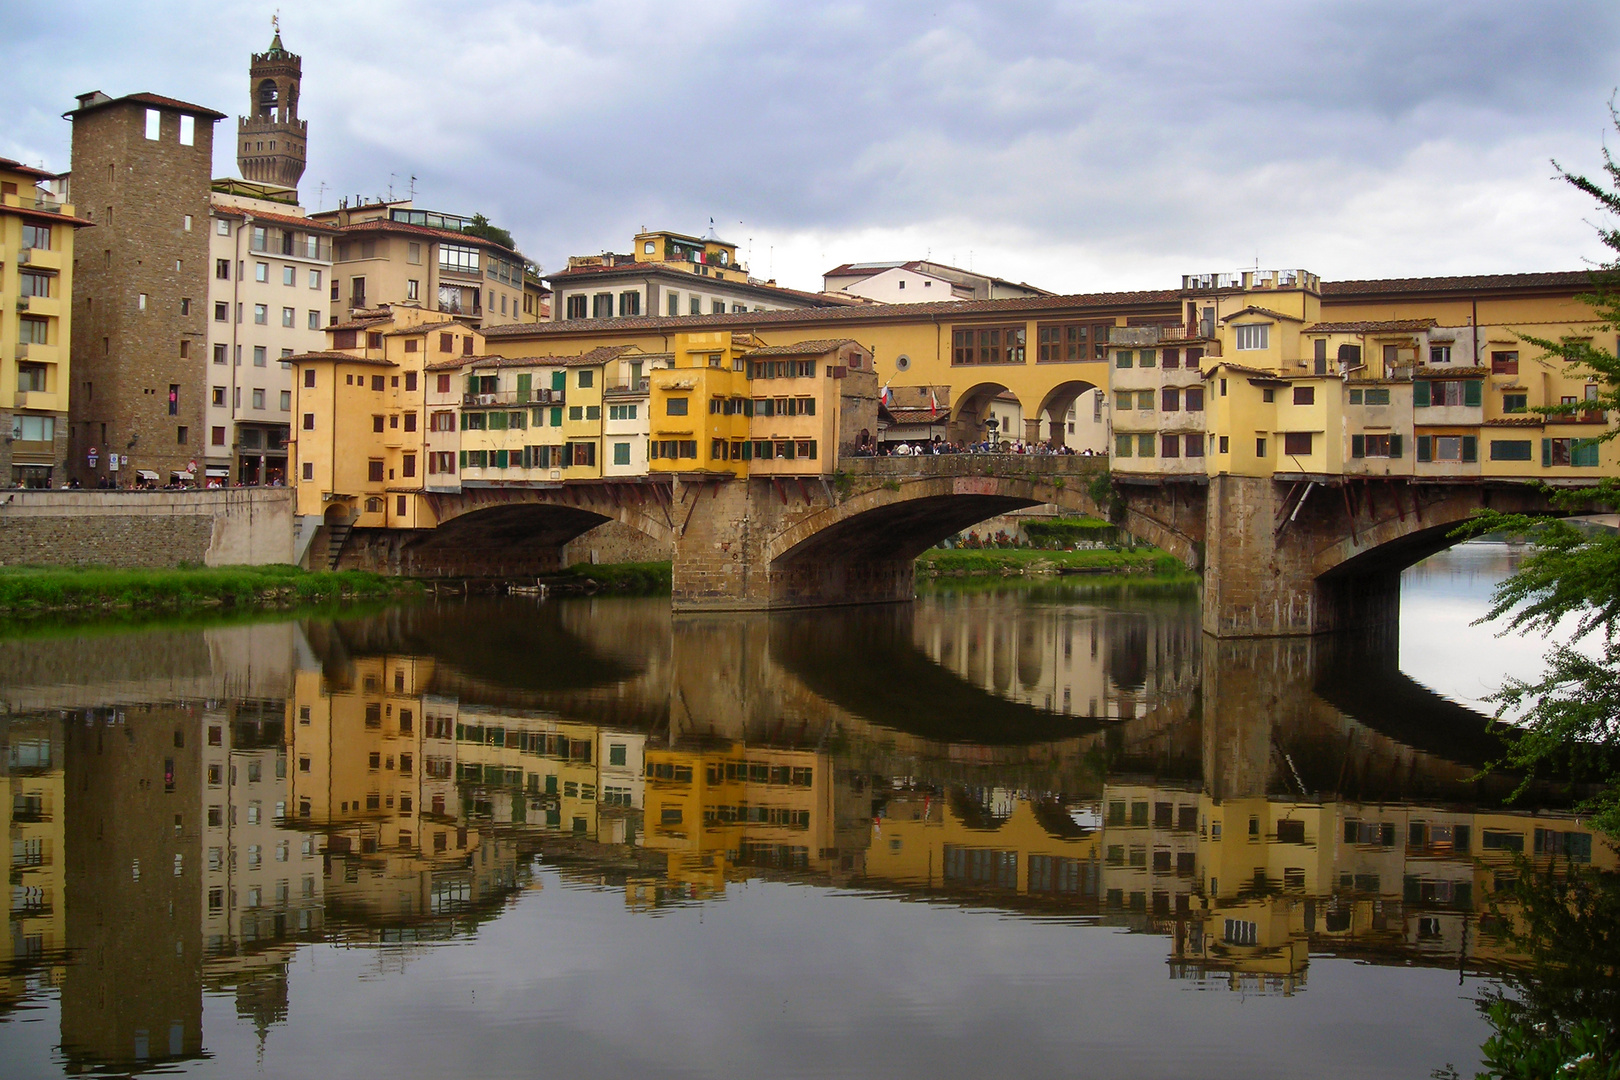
1279 556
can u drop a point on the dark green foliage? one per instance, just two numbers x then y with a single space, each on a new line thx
1067 531
481 228
642 579
1560 1016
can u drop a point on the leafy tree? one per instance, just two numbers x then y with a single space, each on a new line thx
480 227
1568 720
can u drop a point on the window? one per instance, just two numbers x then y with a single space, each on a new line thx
1297 443
576 307
1194 399
621 453
1170 446
374 471
1304 395
1252 336
695 305
1505 363
675 406
1438 393
261 314
1125 358
36 236
1510 449
717 307
287 316
1259 448
288 275
32 330
413 254
1170 399
1580 453
182 435
309 421
1515 403
259 355
309 377
258 398
1123 445
630 303
1375 446
261 272
1462 448
988 345
222 312
314 275
1144 446
602 306
286 401
1439 354
188 137
587 379
1195 445
154 124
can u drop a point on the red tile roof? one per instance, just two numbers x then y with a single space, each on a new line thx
601 355
9 165
804 348
1576 279
148 98
386 225
278 219
1370 326
341 357
1253 309
635 269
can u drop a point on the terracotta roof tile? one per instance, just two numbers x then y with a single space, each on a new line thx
1370 326
387 225
601 355
1516 422
10 165
357 324
279 219
1581 279
146 98
1451 371
1253 309
816 347
341 357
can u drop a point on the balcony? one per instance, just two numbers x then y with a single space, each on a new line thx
510 397
42 400
627 387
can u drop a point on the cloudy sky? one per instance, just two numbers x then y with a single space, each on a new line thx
1079 146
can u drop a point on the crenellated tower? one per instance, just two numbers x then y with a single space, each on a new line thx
271 141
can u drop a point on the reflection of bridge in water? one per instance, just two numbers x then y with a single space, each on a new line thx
386 780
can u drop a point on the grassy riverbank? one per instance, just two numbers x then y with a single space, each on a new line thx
637 579
30 590
960 561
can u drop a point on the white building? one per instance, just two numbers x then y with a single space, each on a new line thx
919 282
271 269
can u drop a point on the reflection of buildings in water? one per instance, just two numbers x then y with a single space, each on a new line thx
133 834
1071 659
32 788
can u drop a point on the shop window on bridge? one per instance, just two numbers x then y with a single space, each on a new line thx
981 867
1504 362
1297 443
1065 341
1459 448
1193 399
1439 393
1170 446
1581 453
1170 399
1375 446
1510 450
988 344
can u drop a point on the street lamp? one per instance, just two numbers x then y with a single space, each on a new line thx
992 425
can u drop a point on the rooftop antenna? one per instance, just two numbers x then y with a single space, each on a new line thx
320 197
413 187
391 177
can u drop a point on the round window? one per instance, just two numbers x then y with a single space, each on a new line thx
902 362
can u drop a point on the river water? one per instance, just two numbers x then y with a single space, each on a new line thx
1041 831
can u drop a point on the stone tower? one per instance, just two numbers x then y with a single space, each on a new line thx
271 140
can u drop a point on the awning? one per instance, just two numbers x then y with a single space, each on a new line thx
185 475
216 472
146 474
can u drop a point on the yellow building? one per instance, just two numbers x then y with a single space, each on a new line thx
360 441
32 793
36 325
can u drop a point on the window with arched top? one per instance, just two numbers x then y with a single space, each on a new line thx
269 98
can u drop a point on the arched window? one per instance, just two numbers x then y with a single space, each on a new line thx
269 98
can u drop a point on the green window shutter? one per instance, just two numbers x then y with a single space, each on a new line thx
537 417
1124 358
559 380
1358 446
1546 453
812 454
1584 452
1147 357
1122 445
464 460
748 451
1473 392
1470 444
525 387
1144 446
497 421
1394 446
472 384
556 416
1420 394
810 407
500 459
463 421
1425 448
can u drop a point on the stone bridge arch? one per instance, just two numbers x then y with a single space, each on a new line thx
785 544
513 532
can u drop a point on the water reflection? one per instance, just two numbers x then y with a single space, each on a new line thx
189 810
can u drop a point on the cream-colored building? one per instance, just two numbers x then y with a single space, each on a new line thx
270 270
36 325
396 254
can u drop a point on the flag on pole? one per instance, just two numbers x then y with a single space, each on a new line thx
885 398
933 403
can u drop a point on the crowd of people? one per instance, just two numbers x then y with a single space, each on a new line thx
938 445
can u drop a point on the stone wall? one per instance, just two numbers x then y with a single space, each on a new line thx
615 542
233 526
